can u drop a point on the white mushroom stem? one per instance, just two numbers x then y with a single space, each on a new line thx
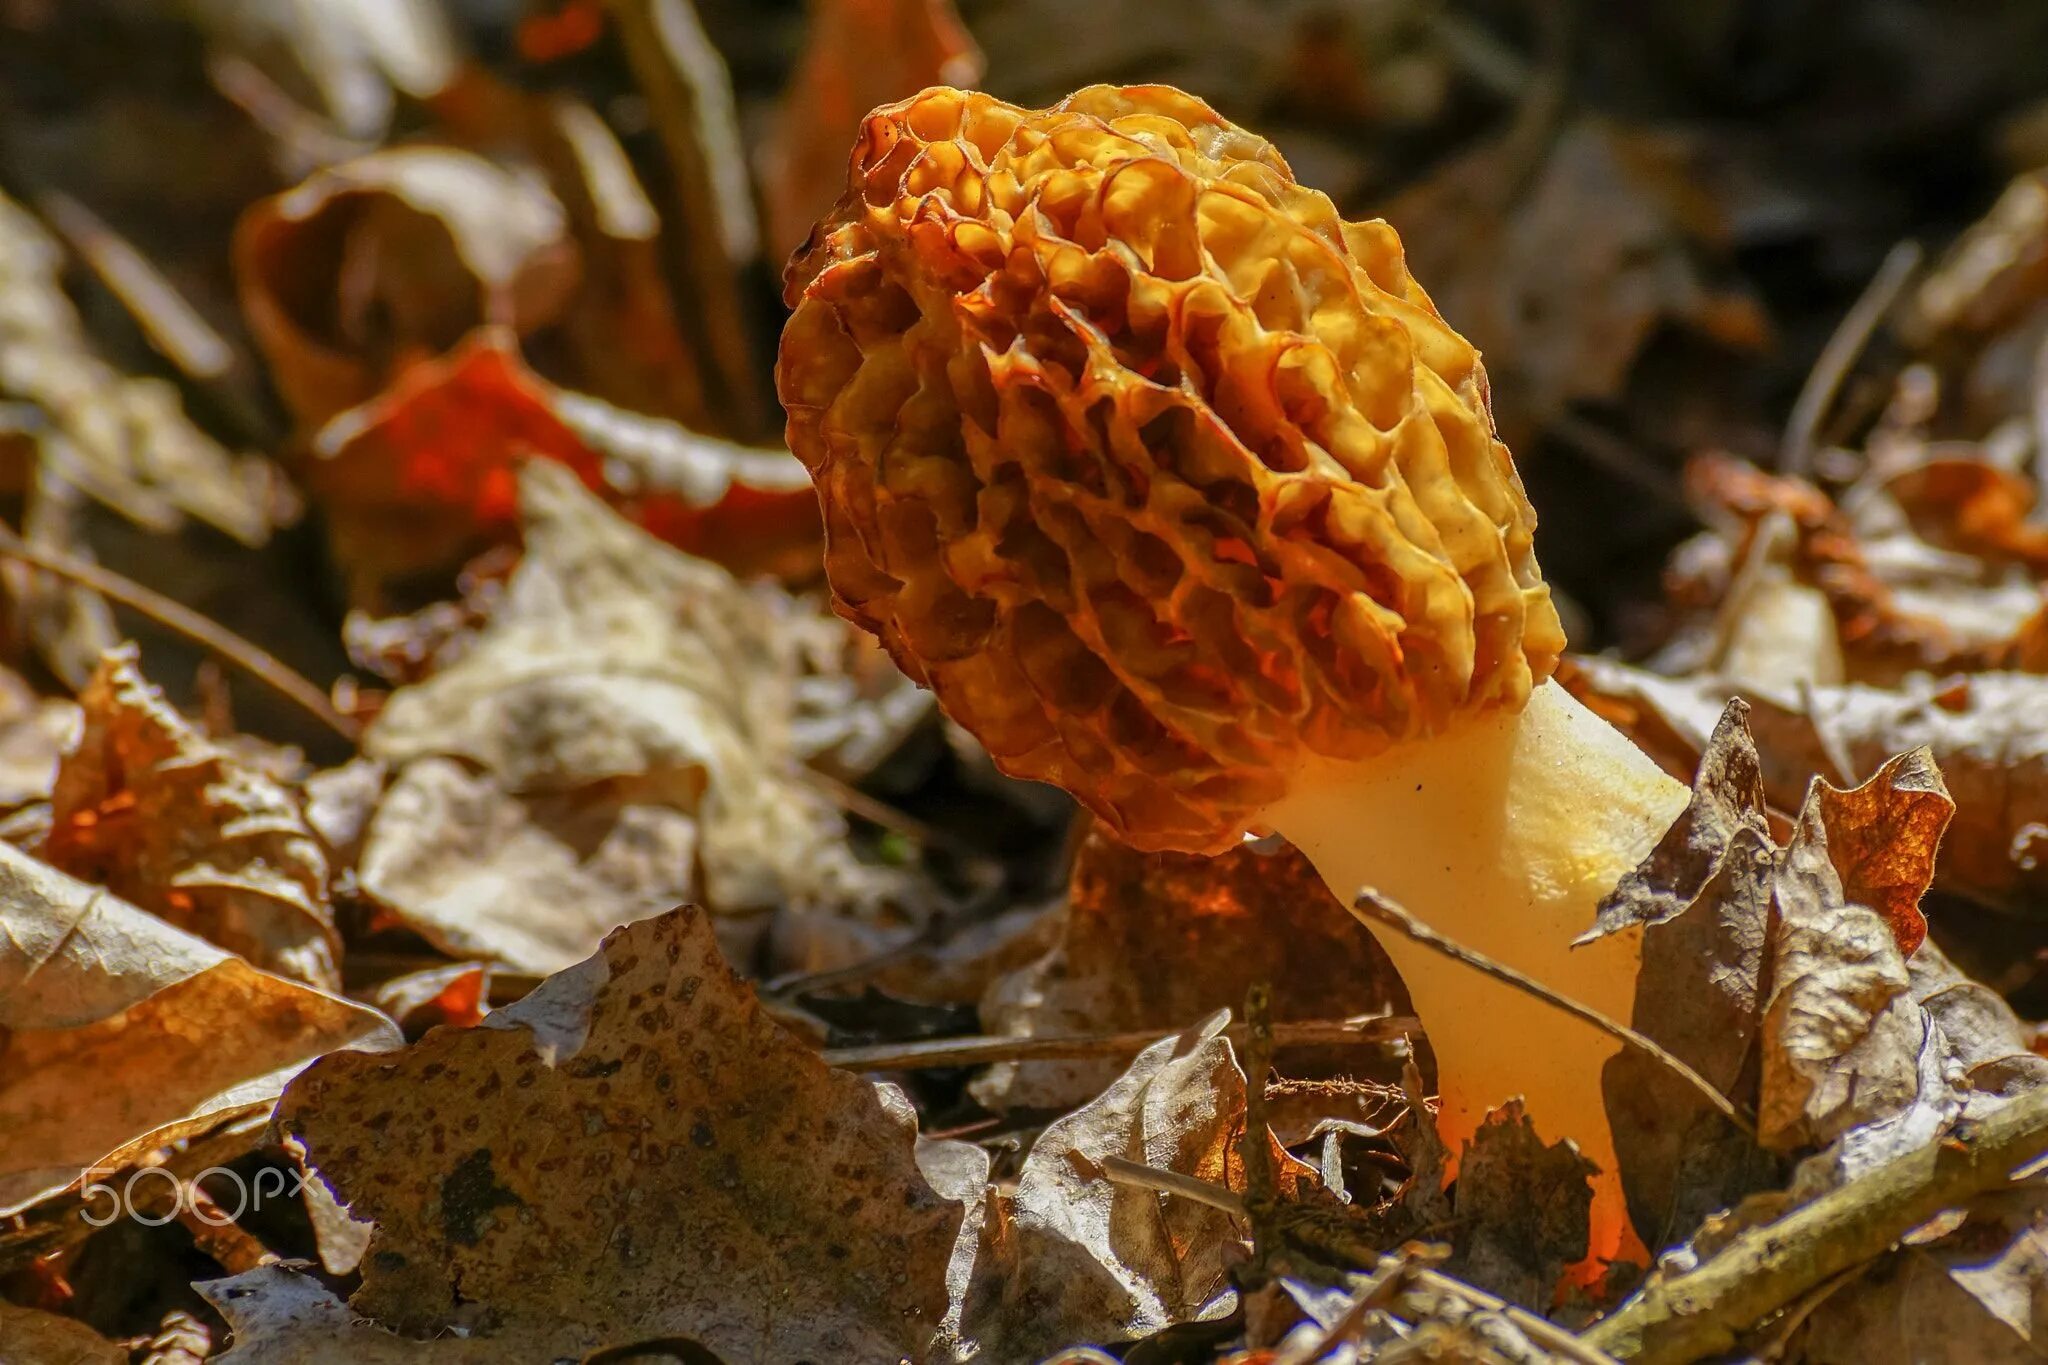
1504 834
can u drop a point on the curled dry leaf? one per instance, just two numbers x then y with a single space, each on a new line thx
1810 1012
624 705
126 442
1985 733
634 1151
155 812
427 473
1074 1256
120 1034
394 256
1205 930
857 54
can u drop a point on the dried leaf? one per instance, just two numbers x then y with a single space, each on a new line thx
392 257
1206 930
633 1151
47 1339
427 474
622 686
1882 838
1984 732
120 1034
1704 899
1073 1256
357 55
35 732
857 54
281 1317
527 881
1979 1294
126 442
1562 287
1521 1209
150 809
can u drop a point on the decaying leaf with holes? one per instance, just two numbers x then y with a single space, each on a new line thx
1205 930
614 740
120 1034
149 808
124 441
634 1151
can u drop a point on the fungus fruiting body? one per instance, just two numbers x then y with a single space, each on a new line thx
1178 492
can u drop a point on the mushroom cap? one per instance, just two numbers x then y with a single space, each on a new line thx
1166 479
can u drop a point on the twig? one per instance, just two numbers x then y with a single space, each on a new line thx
981 1051
1839 356
1373 908
1377 1290
257 662
1703 1311
1255 1143
1124 1171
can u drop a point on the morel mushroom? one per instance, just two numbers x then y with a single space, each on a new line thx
1176 490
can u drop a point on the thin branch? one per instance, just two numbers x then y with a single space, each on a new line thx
982 1051
1373 908
1764 1269
1839 356
1123 1171
259 663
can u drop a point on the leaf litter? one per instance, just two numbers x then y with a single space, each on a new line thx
629 837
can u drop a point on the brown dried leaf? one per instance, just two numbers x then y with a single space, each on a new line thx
1562 287
1882 838
1073 1256
395 255
120 1034
619 690
1980 1294
1984 732
633 1151
857 54
126 442
1521 1209
527 881
47 1339
281 1317
1704 897
1205 929
149 808
35 732
356 56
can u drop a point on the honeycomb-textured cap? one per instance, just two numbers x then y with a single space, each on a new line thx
1160 474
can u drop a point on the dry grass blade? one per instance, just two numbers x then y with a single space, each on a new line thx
950 1052
259 663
